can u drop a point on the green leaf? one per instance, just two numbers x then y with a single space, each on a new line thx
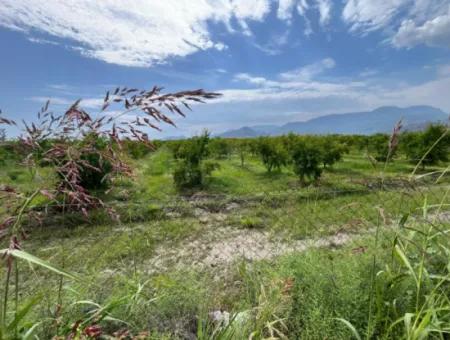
20 254
401 255
22 313
350 327
30 331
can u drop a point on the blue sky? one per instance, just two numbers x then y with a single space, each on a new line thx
275 61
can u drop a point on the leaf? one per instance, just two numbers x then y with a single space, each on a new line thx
22 313
403 220
350 327
401 255
20 254
30 331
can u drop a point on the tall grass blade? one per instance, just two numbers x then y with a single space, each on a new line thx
350 327
20 254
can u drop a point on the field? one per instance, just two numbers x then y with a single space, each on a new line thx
251 253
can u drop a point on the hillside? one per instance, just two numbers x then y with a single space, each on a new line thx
381 119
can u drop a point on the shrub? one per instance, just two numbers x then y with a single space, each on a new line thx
84 151
219 148
191 171
289 141
331 152
95 171
306 159
272 153
378 146
433 145
242 147
187 175
137 150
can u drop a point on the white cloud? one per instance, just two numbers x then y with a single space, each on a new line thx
368 15
435 32
88 103
275 44
143 33
295 84
42 41
245 77
324 7
352 95
309 71
131 32
443 70
408 22
286 8
301 77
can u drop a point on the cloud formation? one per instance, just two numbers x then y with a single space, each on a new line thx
412 22
131 32
144 33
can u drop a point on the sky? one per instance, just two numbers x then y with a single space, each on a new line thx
274 61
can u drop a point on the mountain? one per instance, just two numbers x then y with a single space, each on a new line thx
382 119
243 132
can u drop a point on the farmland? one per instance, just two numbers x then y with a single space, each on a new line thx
273 255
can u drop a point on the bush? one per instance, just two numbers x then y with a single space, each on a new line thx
242 147
219 148
331 152
378 146
191 171
187 175
272 153
306 160
418 145
95 171
136 149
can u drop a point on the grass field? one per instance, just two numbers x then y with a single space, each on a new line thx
285 260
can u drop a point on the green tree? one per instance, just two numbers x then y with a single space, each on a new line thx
331 151
272 153
378 147
191 171
219 148
242 147
307 160
433 145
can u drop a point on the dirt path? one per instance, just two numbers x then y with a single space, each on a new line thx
218 247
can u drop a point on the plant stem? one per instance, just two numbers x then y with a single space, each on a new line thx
5 298
16 295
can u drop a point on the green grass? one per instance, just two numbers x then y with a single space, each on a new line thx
297 295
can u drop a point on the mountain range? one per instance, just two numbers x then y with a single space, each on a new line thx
382 119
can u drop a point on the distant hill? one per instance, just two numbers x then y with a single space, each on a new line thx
381 119
243 132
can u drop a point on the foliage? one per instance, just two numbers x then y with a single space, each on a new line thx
138 150
219 148
83 153
433 145
242 147
331 151
83 150
2 135
191 171
378 146
306 159
115 281
272 153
